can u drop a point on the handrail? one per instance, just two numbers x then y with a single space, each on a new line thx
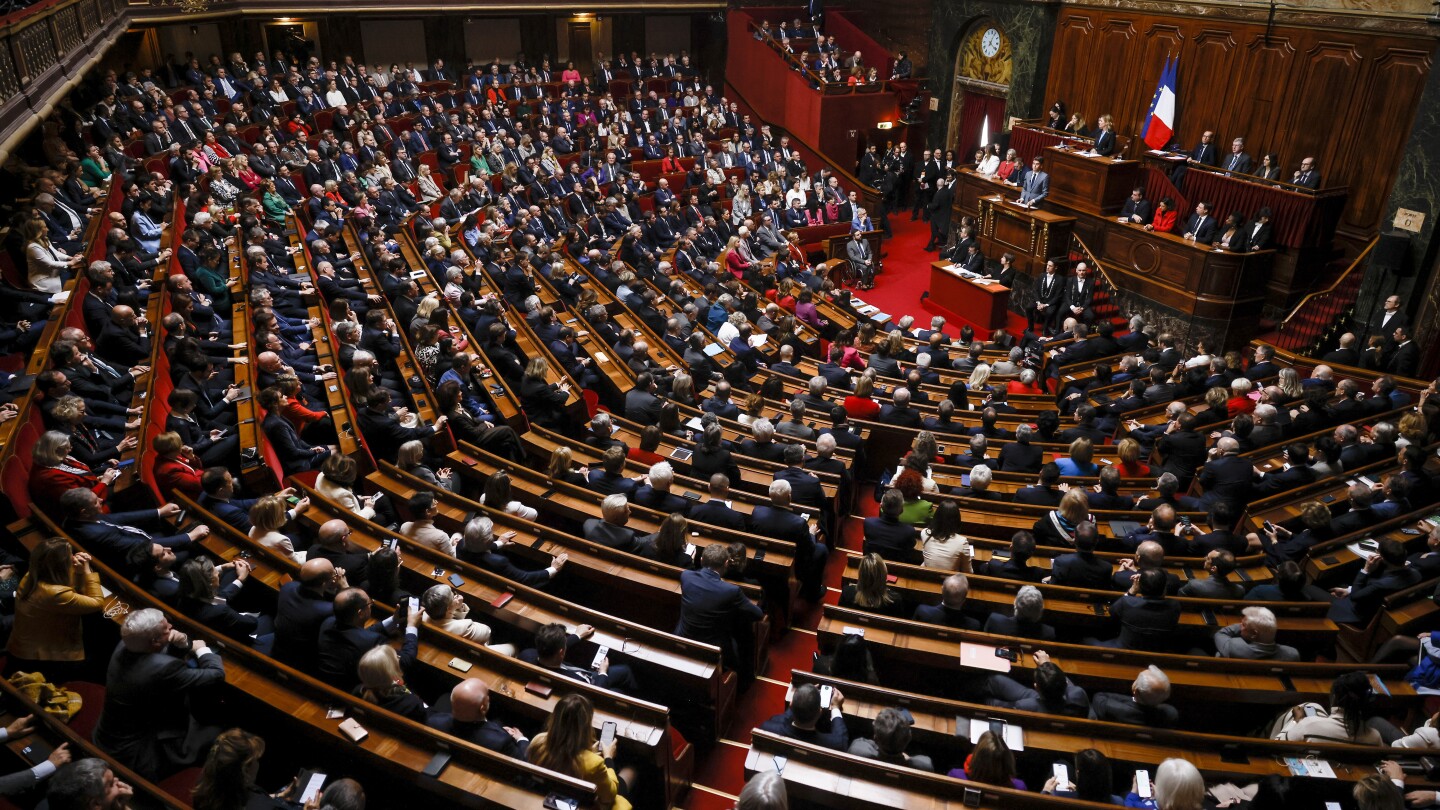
1374 240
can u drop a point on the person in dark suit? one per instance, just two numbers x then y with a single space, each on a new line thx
1182 448
1296 472
469 707
609 529
296 455
610 478
1256 233
1344 354
779 520
887 536
1226 476
1036 185
1137 209
1404 360
1391 316
1201 225
1204 153
1383 574
1147 618
1104 137
1017 566
720 403
1054 693
1025 619
382 429
1081 569
803 720
940 207
716 511
1049 292
1020 455
1079 294
710 607
146 723
899 412
1145 706
1238 160
553 643
111 537
1045 492
1307 176
345 638
480 546
951 610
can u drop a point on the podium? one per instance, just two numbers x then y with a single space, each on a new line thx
1096 185
983 305
1032 234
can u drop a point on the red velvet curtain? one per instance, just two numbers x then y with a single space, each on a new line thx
972 116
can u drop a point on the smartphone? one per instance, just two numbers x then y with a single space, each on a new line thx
557 802
436 764
390 542
1062 775
292 500
312 784
1007 653
1269 527
457 664
437 572
826 693
455 581
334 713
759 554
607 733
600 655
414 604
1142 784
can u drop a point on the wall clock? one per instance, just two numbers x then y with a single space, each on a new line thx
990 43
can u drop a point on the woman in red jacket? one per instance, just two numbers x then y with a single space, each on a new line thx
671 164
176 468
1165 216
734 262
56 472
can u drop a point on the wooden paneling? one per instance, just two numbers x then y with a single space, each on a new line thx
1346 97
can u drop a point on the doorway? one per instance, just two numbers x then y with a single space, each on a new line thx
978 112
581 46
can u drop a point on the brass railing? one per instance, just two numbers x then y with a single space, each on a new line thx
1321 315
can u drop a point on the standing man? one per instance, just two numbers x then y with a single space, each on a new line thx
712 610
1079 294
1049 289
939 210
1036 185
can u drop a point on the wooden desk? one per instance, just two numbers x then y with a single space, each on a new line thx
1094 184
983 305
1033 235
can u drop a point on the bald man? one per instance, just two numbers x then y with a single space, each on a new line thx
125 340
332 543
301 607
469 707
1226 476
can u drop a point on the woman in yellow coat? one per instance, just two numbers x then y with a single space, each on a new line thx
52 598
566 746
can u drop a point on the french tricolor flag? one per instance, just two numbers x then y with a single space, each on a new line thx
1160 123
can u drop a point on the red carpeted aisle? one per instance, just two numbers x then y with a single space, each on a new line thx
906 276
720 772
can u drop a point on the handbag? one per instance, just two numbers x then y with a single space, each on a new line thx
54 700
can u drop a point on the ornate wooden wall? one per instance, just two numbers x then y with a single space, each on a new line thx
1347 97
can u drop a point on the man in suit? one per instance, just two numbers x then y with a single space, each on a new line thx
803 720
716 511
1238 160
468 705
720 403
1054 693
1204 154
609 529
1391 316
1017 565
610 478
779 520
1036 185
899 411
1148 618
974 260
1044 492
1307 176
711 608
1145 706
1296 472
552 642
1137 210
1201 226
1049 292
111 537
951 610
146 723
1081 569
1256 234
887 536
345 638
1182 448
295 454
1253 638
1024 621
1079 294
862 259
641 403
1219 564
939 208
1384 573
1226 476
1404 360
